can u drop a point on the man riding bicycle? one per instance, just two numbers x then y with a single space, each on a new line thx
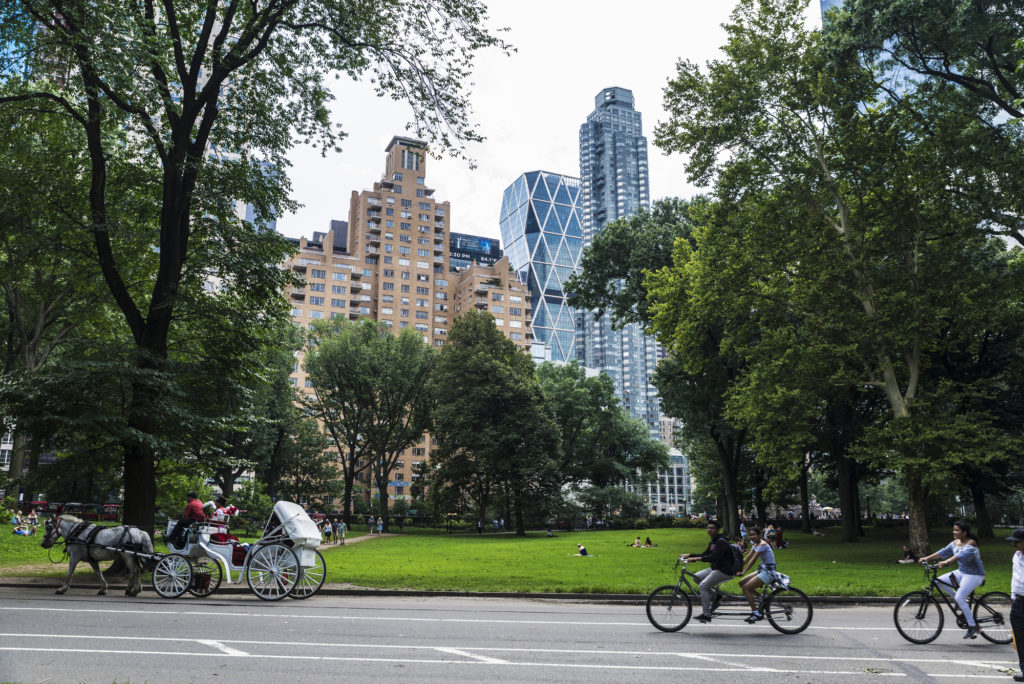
719 555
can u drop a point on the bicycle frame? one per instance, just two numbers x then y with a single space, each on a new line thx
934 588
693 589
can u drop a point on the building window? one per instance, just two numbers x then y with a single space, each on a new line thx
317 287
317 273
316 314
340 276
316 301
338 303
338 289
497 297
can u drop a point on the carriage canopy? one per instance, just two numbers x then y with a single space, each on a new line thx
299 528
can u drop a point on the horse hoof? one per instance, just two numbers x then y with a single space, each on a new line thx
60 591
101 592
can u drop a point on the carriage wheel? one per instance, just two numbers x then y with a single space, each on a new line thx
272 572
311 578
206 576
172 575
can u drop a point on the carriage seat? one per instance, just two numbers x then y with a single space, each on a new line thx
223 538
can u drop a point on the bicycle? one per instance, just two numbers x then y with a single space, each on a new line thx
669 607
919 617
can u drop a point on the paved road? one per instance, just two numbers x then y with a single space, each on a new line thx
84 638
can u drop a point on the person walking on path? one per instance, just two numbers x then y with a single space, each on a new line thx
1017 594
380 525
342 529
369 523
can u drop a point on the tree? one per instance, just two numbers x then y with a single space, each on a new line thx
601 444
372 394
403 403
492 428
808 224
612 279
182 109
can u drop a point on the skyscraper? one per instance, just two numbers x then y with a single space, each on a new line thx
614 184
541 227
827 5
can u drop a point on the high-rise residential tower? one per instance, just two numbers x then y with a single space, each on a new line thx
827 5
614 184
543 234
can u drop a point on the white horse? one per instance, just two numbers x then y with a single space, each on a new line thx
84 541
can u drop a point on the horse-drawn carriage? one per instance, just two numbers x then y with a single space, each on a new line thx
283 562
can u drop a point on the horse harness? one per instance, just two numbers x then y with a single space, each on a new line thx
91 531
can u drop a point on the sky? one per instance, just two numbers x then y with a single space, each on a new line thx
529 106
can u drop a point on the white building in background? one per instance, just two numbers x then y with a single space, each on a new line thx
6 450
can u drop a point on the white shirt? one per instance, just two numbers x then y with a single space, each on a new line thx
1017 583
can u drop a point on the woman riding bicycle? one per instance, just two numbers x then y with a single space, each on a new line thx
760 550
971 573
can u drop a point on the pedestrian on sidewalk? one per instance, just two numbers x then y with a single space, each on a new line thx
1017 594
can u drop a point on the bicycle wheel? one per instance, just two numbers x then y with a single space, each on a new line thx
668 609
918 617
992 613
206 576
789 610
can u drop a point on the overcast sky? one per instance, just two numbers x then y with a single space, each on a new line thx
529 106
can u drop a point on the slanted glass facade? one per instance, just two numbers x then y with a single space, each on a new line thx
543 235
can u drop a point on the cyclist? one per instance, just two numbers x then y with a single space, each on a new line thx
719 555
968 577
760 550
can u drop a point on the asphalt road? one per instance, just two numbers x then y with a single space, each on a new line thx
84 638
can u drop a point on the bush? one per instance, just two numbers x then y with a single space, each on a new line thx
640 524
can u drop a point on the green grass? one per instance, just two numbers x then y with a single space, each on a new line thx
818 565
537 563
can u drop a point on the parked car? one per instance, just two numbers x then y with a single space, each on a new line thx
39 506
53 507
109 511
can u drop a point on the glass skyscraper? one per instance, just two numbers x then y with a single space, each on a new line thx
827 5
613 176
542 230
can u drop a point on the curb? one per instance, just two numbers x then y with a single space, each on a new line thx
339 590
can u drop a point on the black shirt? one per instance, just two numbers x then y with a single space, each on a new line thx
719 555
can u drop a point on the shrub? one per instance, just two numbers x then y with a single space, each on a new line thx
640 524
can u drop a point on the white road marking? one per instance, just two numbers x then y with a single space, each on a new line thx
575 666
221 647
377 618
465 654
717 657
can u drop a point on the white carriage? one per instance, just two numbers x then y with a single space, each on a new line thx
283 562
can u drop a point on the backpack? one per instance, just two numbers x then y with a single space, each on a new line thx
737 558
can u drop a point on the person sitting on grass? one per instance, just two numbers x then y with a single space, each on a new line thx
581 550
647 543
908 556
636 543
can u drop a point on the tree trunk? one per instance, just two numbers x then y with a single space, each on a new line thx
139 487
382 497
917 498
847 505
984 521
17 460
727 450
805 499
346 509
520 520
762 507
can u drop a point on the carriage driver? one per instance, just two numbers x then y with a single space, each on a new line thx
193 513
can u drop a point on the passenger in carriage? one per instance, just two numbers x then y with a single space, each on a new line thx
193 513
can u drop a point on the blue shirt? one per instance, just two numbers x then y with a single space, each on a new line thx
967 555
765 553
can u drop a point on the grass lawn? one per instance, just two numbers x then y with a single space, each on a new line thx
537 563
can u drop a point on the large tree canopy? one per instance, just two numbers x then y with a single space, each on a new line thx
187 109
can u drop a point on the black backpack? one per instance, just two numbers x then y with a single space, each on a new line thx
737 558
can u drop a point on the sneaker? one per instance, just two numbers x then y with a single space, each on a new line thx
703 618
972 633
1018 678
754 617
